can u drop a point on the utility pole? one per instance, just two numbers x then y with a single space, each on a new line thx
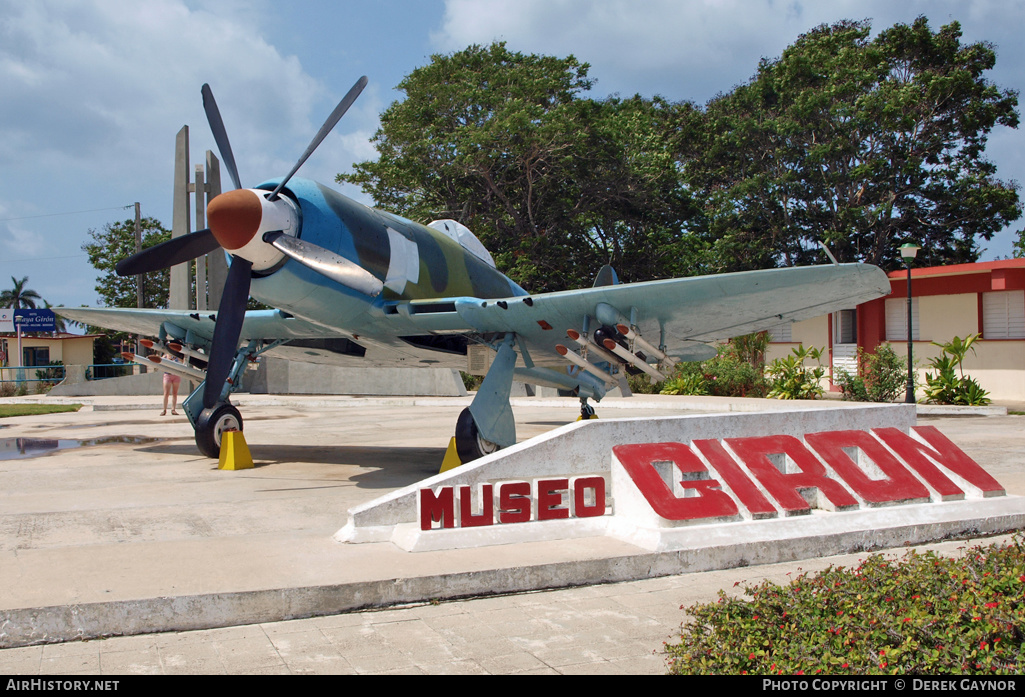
138 248
139 278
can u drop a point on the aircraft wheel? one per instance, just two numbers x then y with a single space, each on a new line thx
469 444
212 423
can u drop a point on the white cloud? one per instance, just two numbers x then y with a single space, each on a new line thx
94 92
95 83
691 49
24 244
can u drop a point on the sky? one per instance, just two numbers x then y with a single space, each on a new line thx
93 92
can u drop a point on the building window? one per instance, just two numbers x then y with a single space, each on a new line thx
781 333
1003 315
897 319
845 327
36 356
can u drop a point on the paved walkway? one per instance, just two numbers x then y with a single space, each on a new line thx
614 629
146 501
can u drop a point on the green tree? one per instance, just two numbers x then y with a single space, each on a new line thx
112 244
19 297
861 144
555 185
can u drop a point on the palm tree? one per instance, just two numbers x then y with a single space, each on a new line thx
19 297
59 325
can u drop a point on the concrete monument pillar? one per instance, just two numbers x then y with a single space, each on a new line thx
216 265
180 274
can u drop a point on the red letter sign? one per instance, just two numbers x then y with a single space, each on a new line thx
897 485
487 516
917 455
437 508
786 488
709 502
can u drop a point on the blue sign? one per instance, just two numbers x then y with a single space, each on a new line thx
35 320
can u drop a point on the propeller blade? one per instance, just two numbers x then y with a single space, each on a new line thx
326 263
332 120
230 315
167 254
213 117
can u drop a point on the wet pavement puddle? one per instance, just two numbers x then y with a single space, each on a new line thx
18 448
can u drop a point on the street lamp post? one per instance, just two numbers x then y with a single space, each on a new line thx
908 252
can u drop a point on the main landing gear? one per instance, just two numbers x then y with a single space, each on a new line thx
586 411
212 423
469 443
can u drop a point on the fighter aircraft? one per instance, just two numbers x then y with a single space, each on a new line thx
355 285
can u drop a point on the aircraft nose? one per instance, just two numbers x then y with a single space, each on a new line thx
234 218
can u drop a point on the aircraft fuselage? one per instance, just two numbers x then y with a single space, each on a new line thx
414 261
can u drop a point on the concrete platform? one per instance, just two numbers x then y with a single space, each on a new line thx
133 531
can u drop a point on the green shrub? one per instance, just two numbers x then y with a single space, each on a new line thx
729 375
949 385
52 373
924 614
688 380
882 377
737 370
471 382
641 384
790 378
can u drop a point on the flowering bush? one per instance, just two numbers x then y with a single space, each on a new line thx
922 614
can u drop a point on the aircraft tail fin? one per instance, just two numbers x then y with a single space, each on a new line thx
606 277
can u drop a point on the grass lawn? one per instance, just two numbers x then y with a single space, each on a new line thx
31 409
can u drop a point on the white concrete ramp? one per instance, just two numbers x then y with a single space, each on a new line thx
574 467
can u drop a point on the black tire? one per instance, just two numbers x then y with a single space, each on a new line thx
469 444
212 423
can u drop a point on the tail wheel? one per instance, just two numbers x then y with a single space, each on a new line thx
212 423
469 443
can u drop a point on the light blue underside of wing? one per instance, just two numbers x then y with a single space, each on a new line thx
685 314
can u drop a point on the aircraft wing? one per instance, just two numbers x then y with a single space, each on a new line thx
685 314
266 324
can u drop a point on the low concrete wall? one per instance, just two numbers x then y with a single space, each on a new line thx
75 385
277 376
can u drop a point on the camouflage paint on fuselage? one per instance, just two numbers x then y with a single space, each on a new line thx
446 269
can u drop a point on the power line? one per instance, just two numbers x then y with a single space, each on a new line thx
50 215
